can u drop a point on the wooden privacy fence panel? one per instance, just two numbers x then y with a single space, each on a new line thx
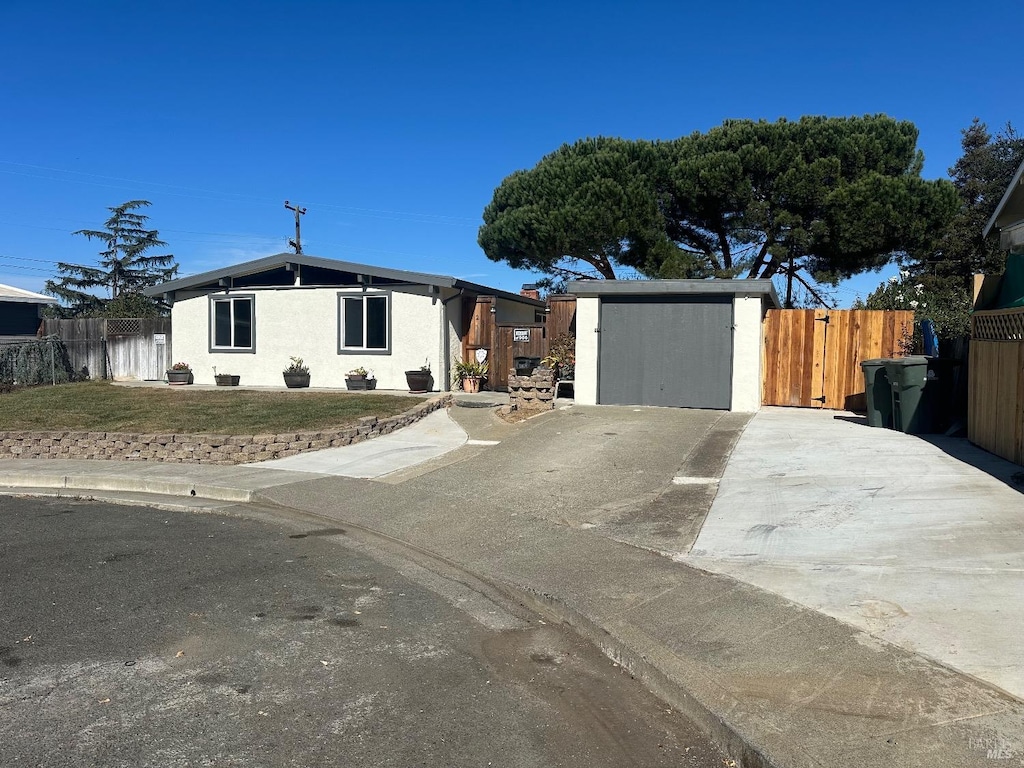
995 409
562 315
122 348
812 357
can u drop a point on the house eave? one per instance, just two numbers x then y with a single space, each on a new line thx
218 279
1014 189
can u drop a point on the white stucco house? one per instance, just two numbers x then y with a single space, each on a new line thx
248 319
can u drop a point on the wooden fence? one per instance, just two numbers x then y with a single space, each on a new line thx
995 405
116 348
561 315
812 357
503 344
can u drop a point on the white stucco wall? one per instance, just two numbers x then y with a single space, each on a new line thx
508 311
585 389
303 322
746 354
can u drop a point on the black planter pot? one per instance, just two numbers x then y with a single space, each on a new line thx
419 381
226 380
179 377
360 382
296 380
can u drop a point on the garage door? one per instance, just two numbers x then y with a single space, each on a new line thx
666 350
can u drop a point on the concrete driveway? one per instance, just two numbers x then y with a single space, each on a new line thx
918 541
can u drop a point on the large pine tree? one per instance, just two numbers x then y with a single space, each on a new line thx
124 269
832 197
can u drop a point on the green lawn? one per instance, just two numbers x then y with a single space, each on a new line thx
98 406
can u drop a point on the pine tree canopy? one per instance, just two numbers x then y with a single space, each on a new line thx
125 267
831 196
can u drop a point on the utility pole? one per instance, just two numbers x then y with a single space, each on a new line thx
297 242
789 284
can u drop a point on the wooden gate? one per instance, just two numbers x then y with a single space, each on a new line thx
514 340
812 357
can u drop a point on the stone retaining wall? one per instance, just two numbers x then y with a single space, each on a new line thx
532 393
201 448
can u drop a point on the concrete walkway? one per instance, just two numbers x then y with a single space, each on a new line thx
586 513
429 438
917 540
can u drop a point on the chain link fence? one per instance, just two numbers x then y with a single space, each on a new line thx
39 361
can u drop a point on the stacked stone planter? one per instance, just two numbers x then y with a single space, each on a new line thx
532 393
201 448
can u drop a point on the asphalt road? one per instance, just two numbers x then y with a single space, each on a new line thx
135 637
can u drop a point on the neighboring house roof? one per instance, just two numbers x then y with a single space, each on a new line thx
763 288
324 267
10 293
1011 208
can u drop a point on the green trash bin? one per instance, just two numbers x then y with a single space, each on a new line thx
878 392
913 403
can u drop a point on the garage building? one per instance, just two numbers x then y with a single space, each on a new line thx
679 343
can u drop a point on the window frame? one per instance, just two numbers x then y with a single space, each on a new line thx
363 295
232 298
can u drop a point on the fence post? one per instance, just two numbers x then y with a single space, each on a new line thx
53 369
103 347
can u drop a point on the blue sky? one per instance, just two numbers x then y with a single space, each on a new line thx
393 122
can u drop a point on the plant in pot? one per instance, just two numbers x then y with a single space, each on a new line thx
225 379
296 374
469 374
179 373
360 378
562 357
420 380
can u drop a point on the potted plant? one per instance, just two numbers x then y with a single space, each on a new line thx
296 374
360 378
469 375
179 373
562 357
225 379
420 380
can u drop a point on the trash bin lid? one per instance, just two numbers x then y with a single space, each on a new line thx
874 362
908 361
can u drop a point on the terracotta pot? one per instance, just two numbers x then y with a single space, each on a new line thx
471 383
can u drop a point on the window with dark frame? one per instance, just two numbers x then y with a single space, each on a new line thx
232 323
365 325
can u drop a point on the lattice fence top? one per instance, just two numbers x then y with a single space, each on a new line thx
124 326
999 325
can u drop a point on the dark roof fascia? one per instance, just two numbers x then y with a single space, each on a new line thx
1004 201
281 259
589 288
483 290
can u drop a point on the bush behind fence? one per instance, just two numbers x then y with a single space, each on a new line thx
40 361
